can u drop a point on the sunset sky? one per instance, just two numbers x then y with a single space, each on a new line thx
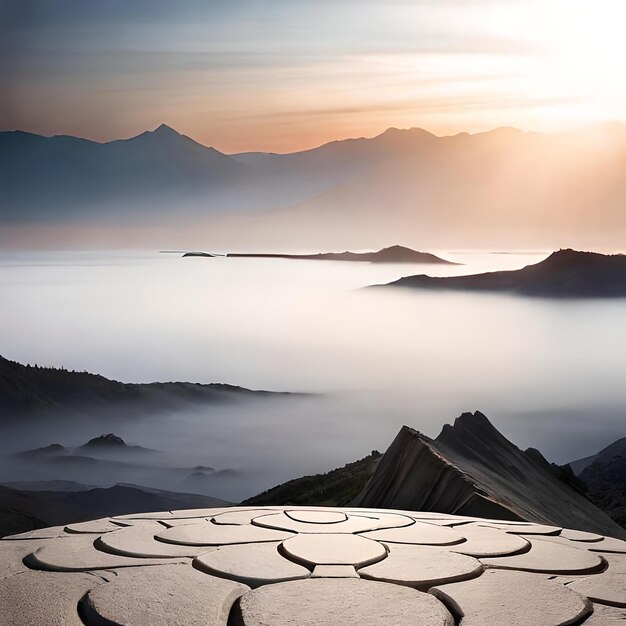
283 75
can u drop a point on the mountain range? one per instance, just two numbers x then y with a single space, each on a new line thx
503 186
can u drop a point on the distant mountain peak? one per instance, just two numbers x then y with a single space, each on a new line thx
165 130
106 440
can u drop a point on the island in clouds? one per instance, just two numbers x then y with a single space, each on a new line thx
392 254
565 273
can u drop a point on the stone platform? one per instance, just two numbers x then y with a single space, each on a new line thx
296 566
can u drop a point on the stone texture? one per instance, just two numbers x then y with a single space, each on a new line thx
352 523
44 598
209 534
330 549
138 541
254 565
12 553
484 542
606 588
76 554
527 529
41 533
499 598
580 535
606 616
334 571
550 557
241 516
419 533
316 517
340 601
422 567
97 526
126 564
609 544
165 595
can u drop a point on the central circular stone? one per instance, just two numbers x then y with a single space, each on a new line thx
333 549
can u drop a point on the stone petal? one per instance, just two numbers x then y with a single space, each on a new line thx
499 598
550 557
251 564
328 549
163 595
420 533
77 553
352 524
345 601
483 542
422 567
209 534
138 541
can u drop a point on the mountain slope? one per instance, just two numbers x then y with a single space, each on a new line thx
22 510
338 487
566 273
38 391
471 469
605 479
57 177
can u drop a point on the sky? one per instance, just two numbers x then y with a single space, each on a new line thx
286 75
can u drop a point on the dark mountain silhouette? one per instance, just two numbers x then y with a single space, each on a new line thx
604 475
472 469
23 510
392 254
32 391
566 273
617 448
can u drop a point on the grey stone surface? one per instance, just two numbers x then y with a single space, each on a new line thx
251 564
340 601
484 542
422 567
352 524
606 616
328 549
76 554
44 598
241 516
164 595
580 535
138 541
606 588
499 598
12 553
421 533
210 534
550 557
147 563
41 533
311 516
334 571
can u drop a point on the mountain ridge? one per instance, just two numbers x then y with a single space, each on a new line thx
565 273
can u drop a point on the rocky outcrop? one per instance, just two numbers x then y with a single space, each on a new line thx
472 469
